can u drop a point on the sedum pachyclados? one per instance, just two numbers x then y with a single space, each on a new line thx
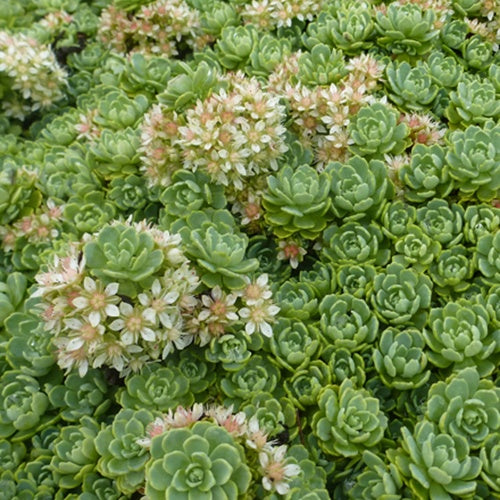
319 194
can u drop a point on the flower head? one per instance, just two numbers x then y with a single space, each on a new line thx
277 473
259 317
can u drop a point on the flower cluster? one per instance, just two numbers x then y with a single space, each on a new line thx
234 135
36 80
119 298
157 28
275 469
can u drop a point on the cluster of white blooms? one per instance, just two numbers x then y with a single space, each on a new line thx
155 28
275 468
99 322
36 78
235 134
160 151
219 311
95 325
271 14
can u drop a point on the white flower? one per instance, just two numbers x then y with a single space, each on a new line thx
276 473
158 304
291 251
183 417
132 325
233 423
256 290
257 439
97 300
259 316
219 306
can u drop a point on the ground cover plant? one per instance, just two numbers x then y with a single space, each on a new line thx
249 249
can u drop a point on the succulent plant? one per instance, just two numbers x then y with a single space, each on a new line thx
410 88
321 66
443 69
11 454
359 188
355 243
472 158
400 359
128 193
265 250
217 16
375 131
490 458
203 460
62 129
97 487
88 212
121 253
117 111
267 53
297 300
427 174
477 52
473 102
122 457
183 89
310 483
273 416
304 386
12 294
347 322
396 217
452 270
441 221
116 153
235 45
191 191
480 220
467 7
350 29
66 173
488 257
356 280
201 377
377 480
229 350
493 305
401 296
321 278
344 364
348 420
406 29
294 344
75 454
220 256
156 388
145 75
465 405
259 374
79 396
23 404
297 202
435 464
459 336
415 249
18 194
453 33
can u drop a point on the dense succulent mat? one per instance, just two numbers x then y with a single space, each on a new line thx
249 249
